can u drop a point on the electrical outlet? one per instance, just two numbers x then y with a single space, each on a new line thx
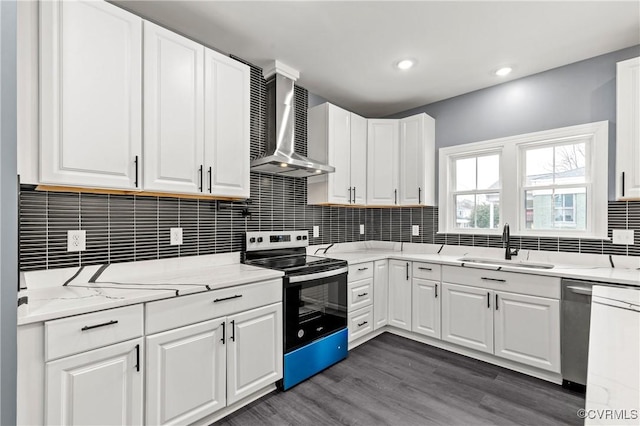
176 236
76 240
361 229
415 230
316 231
623 236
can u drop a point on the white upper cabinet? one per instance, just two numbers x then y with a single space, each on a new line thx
628 130
382 162
173 112
417 160
226 121
337 137
90 95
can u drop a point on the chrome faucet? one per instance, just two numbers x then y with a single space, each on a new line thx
506 239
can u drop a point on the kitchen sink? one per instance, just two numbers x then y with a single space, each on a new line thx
498 262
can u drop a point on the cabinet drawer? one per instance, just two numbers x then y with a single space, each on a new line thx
360 294
82 333
360 271
534 285
427 271
360 323
184 310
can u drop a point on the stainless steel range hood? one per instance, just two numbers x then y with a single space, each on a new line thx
280 157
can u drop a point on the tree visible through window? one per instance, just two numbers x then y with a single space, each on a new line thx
477 192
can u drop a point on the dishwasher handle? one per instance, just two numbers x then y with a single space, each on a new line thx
585 291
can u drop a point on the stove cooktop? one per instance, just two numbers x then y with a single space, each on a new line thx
292 264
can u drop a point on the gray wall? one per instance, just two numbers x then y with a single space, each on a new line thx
577 93
8 213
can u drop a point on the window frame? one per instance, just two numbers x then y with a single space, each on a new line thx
512 169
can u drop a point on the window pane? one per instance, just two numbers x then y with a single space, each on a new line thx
466 174
489 172
481 211
539 166
570 162
556 209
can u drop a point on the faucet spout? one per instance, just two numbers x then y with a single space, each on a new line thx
506 239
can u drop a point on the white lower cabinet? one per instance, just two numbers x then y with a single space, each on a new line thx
360 323
186 373
400 294
467 317
103 386
527 330
380 293
425 310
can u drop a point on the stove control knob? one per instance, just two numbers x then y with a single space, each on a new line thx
252 239
299 237
259 239
304 237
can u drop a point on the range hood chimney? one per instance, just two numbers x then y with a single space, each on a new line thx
280 157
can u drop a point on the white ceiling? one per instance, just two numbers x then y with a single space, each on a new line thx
345 50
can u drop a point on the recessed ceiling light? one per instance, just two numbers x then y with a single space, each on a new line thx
405 64
501 72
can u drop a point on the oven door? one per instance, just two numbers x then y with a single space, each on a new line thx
314 306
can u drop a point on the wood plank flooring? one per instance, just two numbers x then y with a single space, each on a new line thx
391 380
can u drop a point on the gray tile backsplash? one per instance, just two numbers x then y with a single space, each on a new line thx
123 228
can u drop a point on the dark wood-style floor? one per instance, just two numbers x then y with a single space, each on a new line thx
391 380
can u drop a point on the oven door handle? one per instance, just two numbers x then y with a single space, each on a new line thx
317 275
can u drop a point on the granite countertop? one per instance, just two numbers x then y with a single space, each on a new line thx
58 293
626 270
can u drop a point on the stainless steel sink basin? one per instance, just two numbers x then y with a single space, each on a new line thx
498 262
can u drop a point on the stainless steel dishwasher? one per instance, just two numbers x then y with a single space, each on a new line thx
574 332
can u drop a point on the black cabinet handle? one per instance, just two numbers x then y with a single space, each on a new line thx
419 194
407 271
493 279
488 300
135 161
422 268
137 357
349 195
623 184
223 333
436 291
363 323
91 327
362 294
354 195
200 172
395 196
362 269
496 301
227 298
233 331
210 179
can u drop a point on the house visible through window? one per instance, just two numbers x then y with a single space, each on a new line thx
477 192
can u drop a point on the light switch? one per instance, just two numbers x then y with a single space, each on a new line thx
415 230
361 229
623 236
316 231
176 237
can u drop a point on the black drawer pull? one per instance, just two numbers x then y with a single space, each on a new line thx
363 323
494 279
227 298
362 294
422 268
137 358
90 327
363 269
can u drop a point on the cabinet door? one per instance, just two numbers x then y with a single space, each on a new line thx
400 294
100 387
339 150
380 294
628 129
186 373
382 162
426 307
467 316
359 159
226 130
254 352
173 111
412 156
527 330
90 94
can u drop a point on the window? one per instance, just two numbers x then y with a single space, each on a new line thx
549 183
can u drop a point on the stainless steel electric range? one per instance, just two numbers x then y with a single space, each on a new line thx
314 295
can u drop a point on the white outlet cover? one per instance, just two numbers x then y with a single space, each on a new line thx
176 236
361 229
316 231
415 230
623 236
76 240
